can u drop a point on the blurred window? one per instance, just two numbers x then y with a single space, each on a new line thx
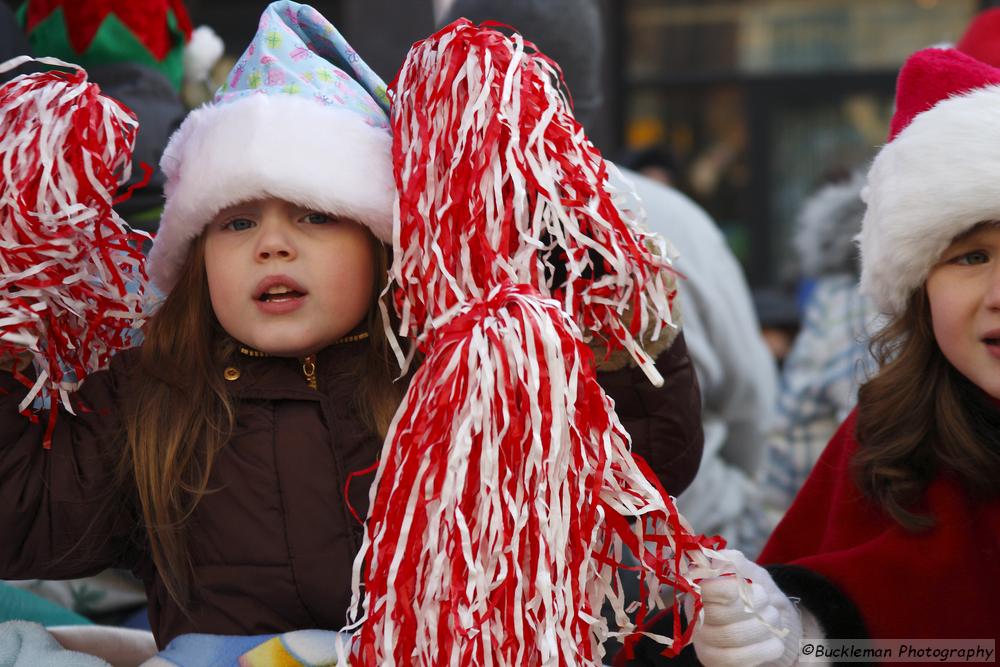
704 36
760 101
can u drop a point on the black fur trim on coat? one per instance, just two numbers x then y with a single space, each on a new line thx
836 613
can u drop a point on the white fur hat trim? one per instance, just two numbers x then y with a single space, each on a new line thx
279 146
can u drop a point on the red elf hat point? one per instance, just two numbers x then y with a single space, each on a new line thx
83 18
932 75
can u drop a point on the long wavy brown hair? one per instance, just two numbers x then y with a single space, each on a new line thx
179 414
919 417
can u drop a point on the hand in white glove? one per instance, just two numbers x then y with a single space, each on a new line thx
731 635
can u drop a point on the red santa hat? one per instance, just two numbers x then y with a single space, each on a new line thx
937 175
982 38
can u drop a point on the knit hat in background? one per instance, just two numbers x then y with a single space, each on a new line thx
160 111
937 175
568 31
826 226
301 117
100 32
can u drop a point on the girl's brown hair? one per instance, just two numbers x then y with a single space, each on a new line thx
918 417
179 414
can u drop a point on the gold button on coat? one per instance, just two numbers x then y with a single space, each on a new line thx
232 374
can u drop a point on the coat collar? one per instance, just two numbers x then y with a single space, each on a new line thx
253 374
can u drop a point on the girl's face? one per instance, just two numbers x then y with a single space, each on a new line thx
964 294
287 280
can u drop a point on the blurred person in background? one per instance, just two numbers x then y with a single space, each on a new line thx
734 368
779 318
829 358
653 162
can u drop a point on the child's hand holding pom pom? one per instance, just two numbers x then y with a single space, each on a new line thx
71 272
746 620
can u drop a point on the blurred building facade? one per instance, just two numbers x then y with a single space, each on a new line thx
760 101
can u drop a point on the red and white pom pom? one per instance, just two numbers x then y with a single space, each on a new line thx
506 494
499 512
71 272
507 185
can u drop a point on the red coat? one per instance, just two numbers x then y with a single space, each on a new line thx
940 583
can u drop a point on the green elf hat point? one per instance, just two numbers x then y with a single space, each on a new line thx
99 32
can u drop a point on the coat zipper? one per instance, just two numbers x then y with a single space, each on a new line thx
309 370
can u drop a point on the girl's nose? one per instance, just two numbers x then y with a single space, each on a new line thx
992 297
274 242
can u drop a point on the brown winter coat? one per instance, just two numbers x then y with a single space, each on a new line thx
273 542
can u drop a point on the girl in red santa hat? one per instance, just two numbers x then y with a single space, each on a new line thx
896 534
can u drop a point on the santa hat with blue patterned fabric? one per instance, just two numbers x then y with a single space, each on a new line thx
301 117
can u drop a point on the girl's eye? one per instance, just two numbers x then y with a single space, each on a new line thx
317 218
971 258
238 224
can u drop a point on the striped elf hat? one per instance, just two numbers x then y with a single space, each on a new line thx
101 32
301 117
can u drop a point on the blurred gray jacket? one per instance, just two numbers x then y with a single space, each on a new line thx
737 374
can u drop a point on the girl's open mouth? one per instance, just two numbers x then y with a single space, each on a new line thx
992 346
278 288
277 295
281 293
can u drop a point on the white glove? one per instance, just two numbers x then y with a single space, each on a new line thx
731 635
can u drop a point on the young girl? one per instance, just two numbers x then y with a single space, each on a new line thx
896 534
213 460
